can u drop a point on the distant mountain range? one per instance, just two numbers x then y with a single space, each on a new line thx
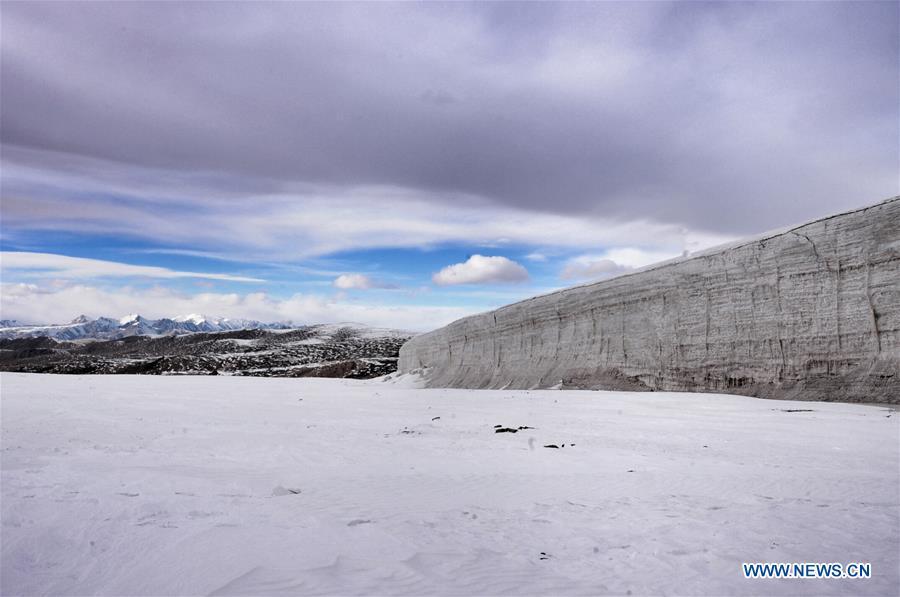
106 328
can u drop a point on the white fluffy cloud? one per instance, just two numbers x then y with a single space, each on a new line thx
581 269
360 282
31 303
635 258
611 263
353 281
63 266
479 269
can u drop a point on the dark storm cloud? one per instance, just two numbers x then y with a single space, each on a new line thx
727 117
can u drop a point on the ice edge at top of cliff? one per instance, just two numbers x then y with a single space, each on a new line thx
709 252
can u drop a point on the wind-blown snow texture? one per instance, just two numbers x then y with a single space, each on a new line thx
808 313
120 485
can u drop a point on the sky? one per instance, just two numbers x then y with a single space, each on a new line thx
404 165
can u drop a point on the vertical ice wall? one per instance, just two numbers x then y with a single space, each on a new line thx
813 312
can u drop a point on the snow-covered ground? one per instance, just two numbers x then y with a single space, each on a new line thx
121 485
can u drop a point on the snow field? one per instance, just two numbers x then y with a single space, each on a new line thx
125 485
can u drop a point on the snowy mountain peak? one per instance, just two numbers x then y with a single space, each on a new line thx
194 318
104 328
82 328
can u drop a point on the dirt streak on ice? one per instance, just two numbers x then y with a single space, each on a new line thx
205 485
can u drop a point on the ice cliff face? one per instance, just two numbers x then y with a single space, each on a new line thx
810 313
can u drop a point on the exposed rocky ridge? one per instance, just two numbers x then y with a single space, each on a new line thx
312 351
808 313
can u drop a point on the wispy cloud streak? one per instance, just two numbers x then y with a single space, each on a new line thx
48 265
